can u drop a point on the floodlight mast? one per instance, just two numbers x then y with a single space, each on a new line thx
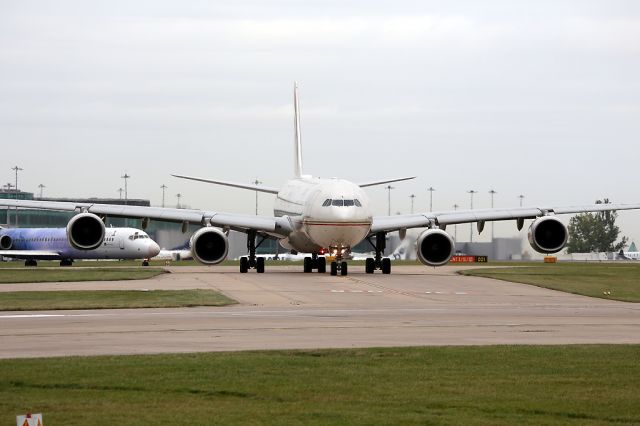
471 192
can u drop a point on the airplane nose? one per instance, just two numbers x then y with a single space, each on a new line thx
154 249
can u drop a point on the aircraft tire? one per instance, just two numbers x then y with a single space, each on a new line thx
343 268
260 265
386 265
307 265
244 265
334 268
322 265
369 265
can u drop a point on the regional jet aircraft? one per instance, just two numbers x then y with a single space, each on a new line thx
33 244
313 215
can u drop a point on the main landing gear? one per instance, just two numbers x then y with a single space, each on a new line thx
30 262
315 262
372 264
66 262
251 261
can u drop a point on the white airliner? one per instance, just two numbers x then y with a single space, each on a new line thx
313 215
33 244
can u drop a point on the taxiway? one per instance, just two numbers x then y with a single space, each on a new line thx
286 309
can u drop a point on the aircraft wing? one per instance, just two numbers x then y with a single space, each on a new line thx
32 254
421 220
277 226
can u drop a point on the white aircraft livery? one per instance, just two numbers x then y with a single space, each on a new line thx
33 244
313 215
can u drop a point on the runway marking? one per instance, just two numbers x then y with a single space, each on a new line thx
445 293
356 291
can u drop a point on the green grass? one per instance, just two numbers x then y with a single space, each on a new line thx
31 275
499 385
109 299
622 279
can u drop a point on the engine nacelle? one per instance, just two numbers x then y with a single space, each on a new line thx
548 235
209 246
85 231
435 247
6 242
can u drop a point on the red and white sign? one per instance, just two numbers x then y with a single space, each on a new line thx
29 420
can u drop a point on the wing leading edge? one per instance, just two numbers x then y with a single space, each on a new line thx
276 226
394 223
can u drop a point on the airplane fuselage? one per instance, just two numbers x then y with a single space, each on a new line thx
119 243
332 214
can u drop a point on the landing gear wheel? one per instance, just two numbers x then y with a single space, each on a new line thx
369 265
334 268
244 265
322 265
308 265
144 263
30 262
343 268
260 265
386 265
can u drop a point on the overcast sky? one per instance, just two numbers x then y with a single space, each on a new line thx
536 98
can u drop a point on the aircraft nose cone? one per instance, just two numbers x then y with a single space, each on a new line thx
154 249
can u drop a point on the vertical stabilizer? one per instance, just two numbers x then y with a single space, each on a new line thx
298 147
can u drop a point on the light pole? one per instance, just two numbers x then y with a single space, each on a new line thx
455 227
521 198
389 188
125 177
256 183
471 192
431 189
8 186
120 191
41 186
492 192
412 196
163 189
17 169
178 195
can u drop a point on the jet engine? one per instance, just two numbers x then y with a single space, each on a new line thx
548 235
6 242
85 231
209 246
435 247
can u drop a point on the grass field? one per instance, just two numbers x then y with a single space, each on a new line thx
32 275
496 385
109 299
618 281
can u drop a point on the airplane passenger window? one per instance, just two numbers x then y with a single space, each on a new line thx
327 202
357 202
348 203
337 203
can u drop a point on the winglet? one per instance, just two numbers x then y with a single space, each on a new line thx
298 146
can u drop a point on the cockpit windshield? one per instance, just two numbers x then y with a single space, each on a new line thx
341 203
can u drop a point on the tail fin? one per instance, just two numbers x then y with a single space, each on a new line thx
298 146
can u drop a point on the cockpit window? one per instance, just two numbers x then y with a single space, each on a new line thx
341 203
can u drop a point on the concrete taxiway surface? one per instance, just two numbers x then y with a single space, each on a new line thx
286 309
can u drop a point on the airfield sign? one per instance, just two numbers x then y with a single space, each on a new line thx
29 420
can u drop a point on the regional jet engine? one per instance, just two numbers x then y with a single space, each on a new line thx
85 231
548 235
209 246
435 247
6 242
